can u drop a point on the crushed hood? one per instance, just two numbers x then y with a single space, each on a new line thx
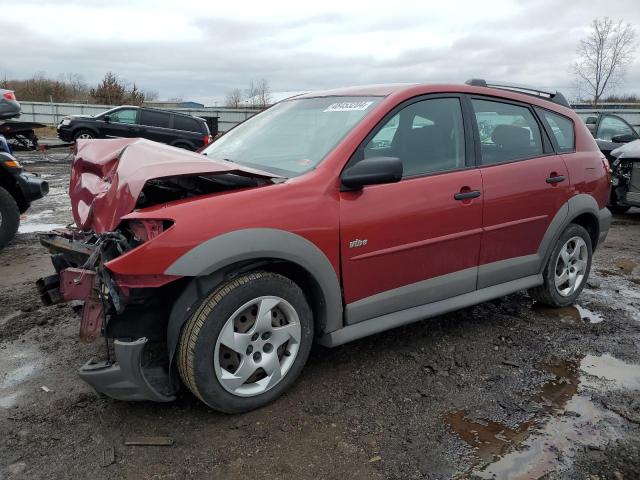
108 176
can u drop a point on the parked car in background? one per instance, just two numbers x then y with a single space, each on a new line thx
9 106
176 129
327 217
17 190
611 132
625 166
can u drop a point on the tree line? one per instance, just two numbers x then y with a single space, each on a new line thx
71 88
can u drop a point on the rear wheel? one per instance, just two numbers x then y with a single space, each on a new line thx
567 269
9 217
83 135
246 343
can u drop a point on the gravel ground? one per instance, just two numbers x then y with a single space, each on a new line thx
505 389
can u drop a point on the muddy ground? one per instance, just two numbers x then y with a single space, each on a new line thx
501 390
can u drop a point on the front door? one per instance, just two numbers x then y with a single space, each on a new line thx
122 123
416 241
525 186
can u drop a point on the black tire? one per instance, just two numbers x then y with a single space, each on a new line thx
547 293
81 132
614 206
619 209
200 334
9 217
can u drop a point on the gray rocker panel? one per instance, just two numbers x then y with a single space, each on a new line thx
410 315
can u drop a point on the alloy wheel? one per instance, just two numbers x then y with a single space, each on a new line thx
571 266
257 346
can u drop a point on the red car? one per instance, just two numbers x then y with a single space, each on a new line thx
328 217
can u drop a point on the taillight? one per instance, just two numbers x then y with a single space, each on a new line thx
207 139
10 96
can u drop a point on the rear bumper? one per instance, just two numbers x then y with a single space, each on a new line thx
604 220
126 378
32 187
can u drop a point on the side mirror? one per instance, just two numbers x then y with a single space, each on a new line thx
625 138
372 171
107 118
591 120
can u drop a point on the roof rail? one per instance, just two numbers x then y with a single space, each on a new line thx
555 97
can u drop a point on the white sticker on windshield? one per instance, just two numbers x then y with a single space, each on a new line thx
347 106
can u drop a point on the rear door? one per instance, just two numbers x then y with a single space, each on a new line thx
157 125
416 241
525 185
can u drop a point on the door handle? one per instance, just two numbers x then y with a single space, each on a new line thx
467 195
555 178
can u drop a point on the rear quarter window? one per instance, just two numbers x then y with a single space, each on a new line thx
562 129
187 124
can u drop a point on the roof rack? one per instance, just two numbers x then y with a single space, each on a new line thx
555 97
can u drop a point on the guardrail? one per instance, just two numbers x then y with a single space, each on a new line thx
52 113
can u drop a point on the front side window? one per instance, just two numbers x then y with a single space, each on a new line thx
293 136
127 115
562 130
611 126
507 132
428 136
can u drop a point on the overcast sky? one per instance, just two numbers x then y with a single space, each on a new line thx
200 49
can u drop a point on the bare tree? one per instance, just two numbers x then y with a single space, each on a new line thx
233 98
604 55
259 93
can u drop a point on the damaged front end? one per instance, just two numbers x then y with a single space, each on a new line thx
132 320
115 189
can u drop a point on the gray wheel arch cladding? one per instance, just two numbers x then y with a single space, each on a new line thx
224 250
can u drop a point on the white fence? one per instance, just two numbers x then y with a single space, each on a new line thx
52 113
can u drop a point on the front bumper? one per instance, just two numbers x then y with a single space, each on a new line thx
64 133
31 186
604 221
127 378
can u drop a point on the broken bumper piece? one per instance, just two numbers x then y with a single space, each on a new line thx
127 379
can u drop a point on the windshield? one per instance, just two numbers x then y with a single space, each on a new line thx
294 136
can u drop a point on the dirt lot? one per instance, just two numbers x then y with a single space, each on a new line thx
501 390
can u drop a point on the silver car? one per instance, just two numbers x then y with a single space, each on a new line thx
9 106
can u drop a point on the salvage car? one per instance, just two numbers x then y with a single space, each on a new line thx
17 190
610 132
625 167
173 128
327 217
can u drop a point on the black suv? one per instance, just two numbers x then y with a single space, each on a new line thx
177 129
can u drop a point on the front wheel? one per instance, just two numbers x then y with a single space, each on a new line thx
567 269
246 343
83 135
9 217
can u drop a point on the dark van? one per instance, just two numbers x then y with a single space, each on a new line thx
176 129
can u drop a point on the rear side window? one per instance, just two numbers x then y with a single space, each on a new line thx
187 124
151 118
507 132
562 130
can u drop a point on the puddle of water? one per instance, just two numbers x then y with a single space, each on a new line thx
611 370
569 422
38 227
574 314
